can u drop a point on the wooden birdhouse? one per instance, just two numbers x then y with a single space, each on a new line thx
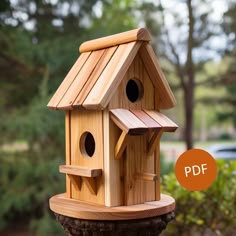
112 98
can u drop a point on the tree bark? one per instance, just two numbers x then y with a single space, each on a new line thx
188 103
190 83
141 227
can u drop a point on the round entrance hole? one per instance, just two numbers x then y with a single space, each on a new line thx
134 90
87 144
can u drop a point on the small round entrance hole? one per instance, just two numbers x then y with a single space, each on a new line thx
134 90
87 144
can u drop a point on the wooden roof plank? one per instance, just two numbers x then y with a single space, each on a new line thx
80 80
163 120
94 76
116 39
111 77
128 122
68 80
146 119
167 99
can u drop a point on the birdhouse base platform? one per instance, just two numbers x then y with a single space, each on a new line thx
62 205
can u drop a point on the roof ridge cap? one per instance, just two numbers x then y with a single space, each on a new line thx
140 34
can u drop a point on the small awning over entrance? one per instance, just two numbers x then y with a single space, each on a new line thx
138 122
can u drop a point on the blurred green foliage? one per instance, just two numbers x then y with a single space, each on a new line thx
208 212
26 183
30 177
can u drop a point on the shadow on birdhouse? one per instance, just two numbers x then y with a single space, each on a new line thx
112 98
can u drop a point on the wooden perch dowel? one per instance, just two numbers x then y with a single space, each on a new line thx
146 176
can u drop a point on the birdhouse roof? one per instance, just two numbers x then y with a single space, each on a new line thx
100 68
136 122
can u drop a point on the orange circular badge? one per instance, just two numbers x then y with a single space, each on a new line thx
195 169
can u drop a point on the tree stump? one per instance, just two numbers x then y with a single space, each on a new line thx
141 227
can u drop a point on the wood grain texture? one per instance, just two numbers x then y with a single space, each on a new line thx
80 171
68 150
79 82
136 72
53 103
166 123
135 161
157 164
154 141
91 184
146 176
110 79
117 39
77 209
146 119
76 181
121 145
128 122
101 65
113 169
88 121
166 97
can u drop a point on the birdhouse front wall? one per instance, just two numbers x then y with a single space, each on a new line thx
85 149
136 90
123 185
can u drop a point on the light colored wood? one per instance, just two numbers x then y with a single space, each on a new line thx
155 139
96 94
157 165
87 175
101 65
98 80
121 145
75 181
128 122
68 80
146 176
157 99
117 39
78 209
166 123
113 169
81 79
103 90
137 72
91 184
136 192
166 97
88 121
68 150
80 171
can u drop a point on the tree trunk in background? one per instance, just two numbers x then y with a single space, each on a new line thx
189 84
188 103
185 71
